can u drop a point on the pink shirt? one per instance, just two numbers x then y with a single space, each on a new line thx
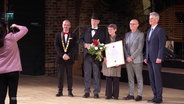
9 53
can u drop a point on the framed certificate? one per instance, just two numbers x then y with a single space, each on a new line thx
114 54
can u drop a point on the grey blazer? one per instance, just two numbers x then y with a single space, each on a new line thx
134 48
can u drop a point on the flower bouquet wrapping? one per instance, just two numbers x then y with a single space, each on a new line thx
96 48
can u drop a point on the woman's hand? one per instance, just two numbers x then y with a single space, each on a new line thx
13 26
105 60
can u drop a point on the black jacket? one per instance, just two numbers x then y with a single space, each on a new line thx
60 49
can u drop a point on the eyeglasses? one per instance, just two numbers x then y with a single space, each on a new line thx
132 24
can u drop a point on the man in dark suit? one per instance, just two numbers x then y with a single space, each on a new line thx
65 43
155 45
90 64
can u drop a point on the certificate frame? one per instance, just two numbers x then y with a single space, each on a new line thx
114 54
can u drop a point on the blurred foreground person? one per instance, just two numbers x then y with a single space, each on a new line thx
10 63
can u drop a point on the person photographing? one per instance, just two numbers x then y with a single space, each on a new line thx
10 61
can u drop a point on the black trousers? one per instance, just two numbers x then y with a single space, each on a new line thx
112 87
9 82
62 68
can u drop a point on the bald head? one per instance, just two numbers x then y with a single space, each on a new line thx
66 25
134 24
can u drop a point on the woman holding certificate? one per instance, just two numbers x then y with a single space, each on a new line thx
113 73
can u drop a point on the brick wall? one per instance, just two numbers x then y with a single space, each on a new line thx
55 12
79 13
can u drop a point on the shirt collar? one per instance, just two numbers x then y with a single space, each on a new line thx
95 27
153 27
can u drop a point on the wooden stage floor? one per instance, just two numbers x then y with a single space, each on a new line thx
42 90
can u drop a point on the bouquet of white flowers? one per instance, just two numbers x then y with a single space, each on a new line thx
96 48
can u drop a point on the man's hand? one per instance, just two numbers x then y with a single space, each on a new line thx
66 57
158 61
86 45
145 61
129 59
13 26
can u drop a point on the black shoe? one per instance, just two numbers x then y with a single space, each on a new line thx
129 97
158 101
59 94
70 94
86 95
96 96
108 97
115 98
138 98
151 101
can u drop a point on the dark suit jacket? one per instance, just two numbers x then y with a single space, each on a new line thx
86 37
156 45
60 49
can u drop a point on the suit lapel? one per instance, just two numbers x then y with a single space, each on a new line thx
131 41
61 36
89 35
95 35
148 34
135 36
152 34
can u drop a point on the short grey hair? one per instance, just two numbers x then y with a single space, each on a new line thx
155 14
